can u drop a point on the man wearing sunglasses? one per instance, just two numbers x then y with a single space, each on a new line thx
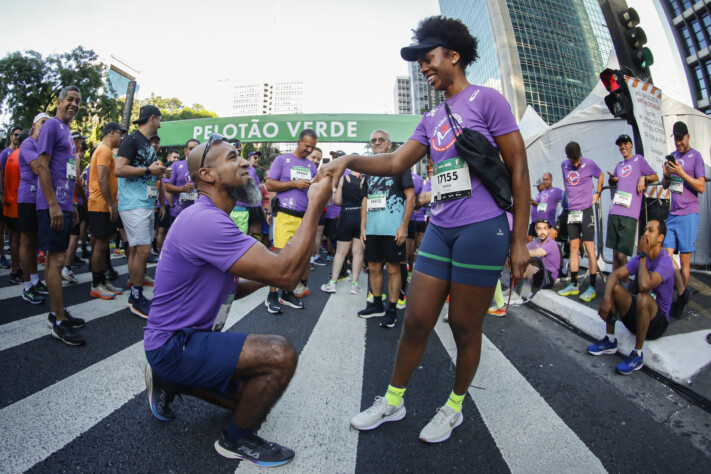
13 142
290 177
206 263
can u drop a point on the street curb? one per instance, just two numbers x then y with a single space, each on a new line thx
677 357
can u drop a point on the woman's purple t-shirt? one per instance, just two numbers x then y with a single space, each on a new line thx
478 108
27 193
578 183
192 279
418 215
55 140
629 171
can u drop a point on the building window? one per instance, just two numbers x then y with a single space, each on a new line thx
700 83
698 33
688 42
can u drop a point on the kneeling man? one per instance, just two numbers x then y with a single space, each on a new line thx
646 314
207 262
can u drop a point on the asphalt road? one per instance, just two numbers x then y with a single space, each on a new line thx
539 402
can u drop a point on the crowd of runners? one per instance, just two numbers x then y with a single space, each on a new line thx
222 233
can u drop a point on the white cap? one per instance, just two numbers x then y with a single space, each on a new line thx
40 116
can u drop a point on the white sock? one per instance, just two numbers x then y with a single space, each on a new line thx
28 285
611 337
34 278
312 259
639 352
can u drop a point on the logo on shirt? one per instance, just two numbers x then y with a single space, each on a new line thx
287 160
625 171
476 92
544 197
681 162
444 136
574 178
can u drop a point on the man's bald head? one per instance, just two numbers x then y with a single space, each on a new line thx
217 150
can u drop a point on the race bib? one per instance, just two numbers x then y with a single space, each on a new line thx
451 180
190 196
376 202
575 217
622 199
72 168
222 314
151 190
300 172
677 184
542 207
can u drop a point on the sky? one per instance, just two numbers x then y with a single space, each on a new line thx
347 53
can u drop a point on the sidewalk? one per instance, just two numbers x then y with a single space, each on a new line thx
682 354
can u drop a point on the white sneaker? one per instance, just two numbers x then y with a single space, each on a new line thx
329 287
440 427
355 288
378 414
100 291
68 275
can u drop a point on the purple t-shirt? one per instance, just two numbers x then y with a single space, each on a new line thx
478 108
180 177
534 213
552 258
288 168
192 279
627 201
578 183
665 267
417 214
686 201
253 174
55 140
547 204
27 192
332 211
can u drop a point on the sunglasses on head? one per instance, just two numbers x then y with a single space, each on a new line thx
215 137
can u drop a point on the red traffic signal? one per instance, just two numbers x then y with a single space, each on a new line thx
611 79
619 101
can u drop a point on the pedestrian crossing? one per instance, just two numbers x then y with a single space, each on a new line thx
84 409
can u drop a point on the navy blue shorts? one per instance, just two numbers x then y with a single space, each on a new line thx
48 238
202 359
472 254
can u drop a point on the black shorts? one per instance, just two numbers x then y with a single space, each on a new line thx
322 219
255 215
532 230
27 217
83 211
100 225
329 231
166 221
382 248
657 325
11 223
348 227
50 239
414 228
584 229
561 226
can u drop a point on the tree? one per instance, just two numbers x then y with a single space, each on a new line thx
30 84
171 109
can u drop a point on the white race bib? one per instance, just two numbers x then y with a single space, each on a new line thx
72 168
575 217
542 207
622 199
451 180
151 190
190 196
677 184
300 172
222 314
376 202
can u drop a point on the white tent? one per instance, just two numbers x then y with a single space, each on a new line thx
595 129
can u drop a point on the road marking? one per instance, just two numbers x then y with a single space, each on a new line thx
331 362
529 434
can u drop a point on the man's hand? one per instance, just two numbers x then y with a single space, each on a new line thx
643 245
319 192
519 259
188 187
301 183
673 168
75 218
613 179
157 169
605 308
401 235
168 172
161 212
56 217
641 184
334 169
596 198
113 213
362 235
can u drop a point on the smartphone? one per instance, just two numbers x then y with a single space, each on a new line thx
670 158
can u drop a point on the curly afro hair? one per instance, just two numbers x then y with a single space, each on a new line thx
451 31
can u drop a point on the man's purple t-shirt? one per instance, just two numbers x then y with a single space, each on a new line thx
478 108
665 267
552 258
417 214
579 184
55 140
179 177
192 279
534 213
252 174
27 192
288 168
548 200
627 201
687 202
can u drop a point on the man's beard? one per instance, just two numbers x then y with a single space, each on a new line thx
248 194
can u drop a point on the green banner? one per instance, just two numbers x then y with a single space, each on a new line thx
286 128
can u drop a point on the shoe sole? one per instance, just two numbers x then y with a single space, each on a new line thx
328 291
397 416
373 315
605 352
137 312
633 370
33 302
400 306
71 282
103 297
232 455
460 420
572 293
69 343
388 325
588 299
307 293
353 292
291 305
149 390
271 310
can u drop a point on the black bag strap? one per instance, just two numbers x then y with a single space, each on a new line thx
456 128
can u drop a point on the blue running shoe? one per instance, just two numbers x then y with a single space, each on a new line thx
604 346
4 263
633 362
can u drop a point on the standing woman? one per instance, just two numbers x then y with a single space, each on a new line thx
468 239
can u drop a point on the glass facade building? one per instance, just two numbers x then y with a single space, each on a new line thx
559 48
691 24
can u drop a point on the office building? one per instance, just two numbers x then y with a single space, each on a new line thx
403 95
268 99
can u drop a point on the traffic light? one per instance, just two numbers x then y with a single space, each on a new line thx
642 57
618 101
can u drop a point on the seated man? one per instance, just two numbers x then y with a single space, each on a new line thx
646 315
206 262
545 255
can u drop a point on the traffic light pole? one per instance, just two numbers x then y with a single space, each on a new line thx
610 10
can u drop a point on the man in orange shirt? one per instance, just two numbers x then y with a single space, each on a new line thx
11 172
103 211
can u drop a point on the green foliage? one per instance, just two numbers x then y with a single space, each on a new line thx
171 109
30 84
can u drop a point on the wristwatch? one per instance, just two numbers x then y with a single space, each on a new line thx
643 255
148 171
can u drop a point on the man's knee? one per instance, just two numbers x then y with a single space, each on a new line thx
646 305
281 354
393 269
